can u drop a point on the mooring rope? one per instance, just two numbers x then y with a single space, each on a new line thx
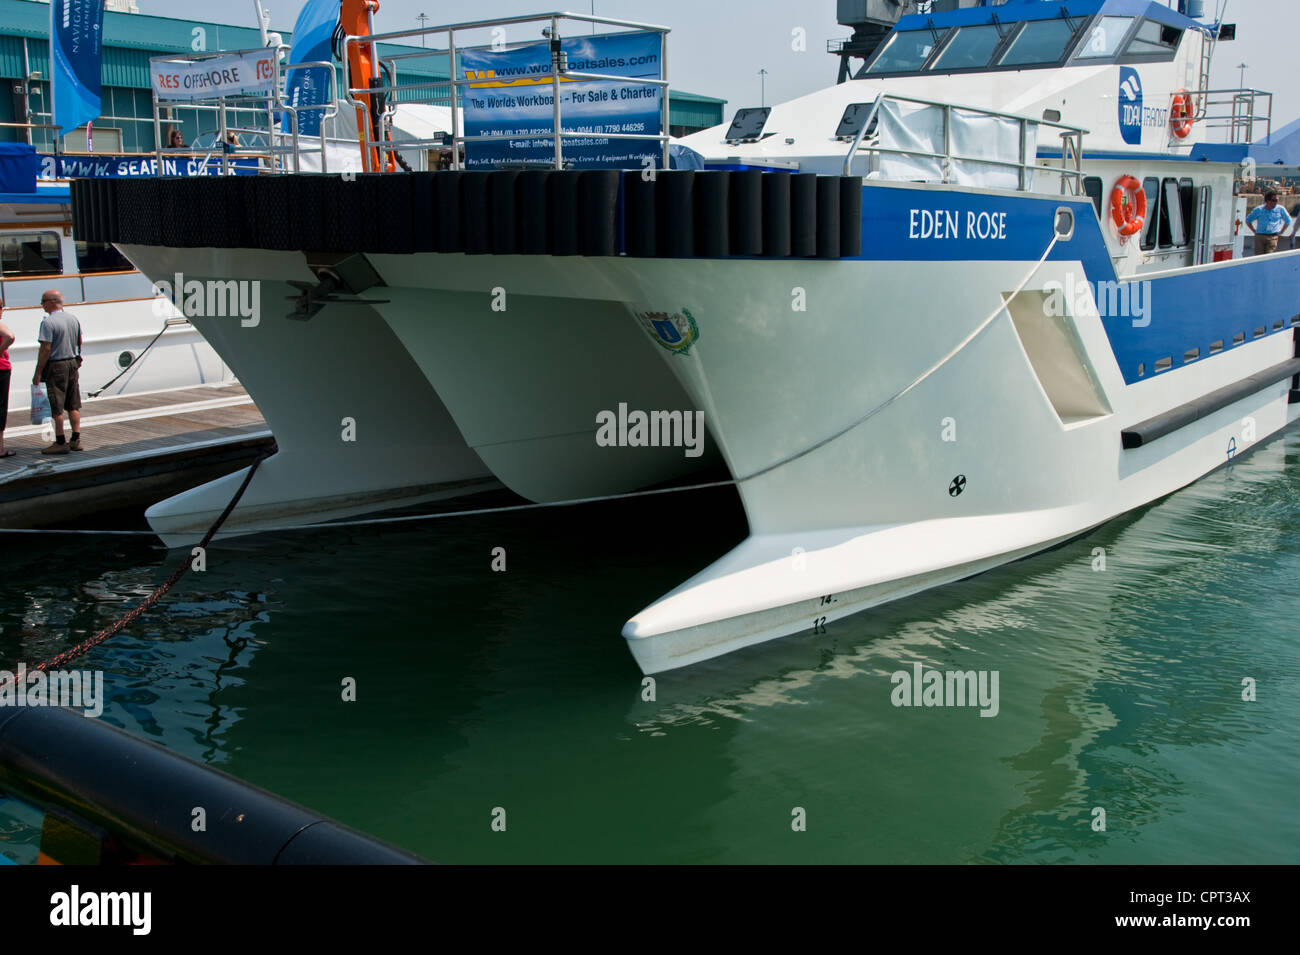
131 616
401 519
28 470
134 362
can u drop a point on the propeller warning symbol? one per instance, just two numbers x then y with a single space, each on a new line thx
957 486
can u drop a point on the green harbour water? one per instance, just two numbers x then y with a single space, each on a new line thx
1119 689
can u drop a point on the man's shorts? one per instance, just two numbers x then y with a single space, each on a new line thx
1264 244
63 385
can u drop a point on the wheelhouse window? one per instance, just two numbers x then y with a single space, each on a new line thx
1172 231
972 47
1151 186
905 52
33 253
1040 42
101 257
1187 192
1169 219
1153 38
1104 38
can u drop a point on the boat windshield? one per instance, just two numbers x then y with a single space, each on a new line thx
972 47
905 52
1037 43
1040 42
1105 37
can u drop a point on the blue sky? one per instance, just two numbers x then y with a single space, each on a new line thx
718 48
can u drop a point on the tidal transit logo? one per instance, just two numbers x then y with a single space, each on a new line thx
1130 105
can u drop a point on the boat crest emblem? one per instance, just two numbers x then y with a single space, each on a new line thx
676 332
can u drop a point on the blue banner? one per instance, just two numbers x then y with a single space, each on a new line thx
65 166
312 38
17 167
76 55
516 98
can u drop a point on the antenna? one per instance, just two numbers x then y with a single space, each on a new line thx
263 21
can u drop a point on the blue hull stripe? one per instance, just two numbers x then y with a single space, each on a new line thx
1166 318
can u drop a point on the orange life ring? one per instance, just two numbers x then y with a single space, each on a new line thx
1181 115
1128 218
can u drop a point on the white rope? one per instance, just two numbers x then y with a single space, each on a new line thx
367 522
54 530
28 470
924 375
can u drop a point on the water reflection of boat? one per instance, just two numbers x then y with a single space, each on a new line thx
1089 659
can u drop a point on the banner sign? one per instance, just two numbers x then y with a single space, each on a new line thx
76 58
313 37
64 166
18 167
515 97
235 74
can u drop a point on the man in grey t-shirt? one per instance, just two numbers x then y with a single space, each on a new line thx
56 365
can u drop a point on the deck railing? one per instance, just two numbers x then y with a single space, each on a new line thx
1070 169
1240 112
256 109
453 89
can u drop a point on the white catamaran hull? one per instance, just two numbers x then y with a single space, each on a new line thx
982 453
521 390
525 382
890 425
357 426
973 467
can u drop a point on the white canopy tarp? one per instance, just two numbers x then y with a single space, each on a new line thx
977 144
411 121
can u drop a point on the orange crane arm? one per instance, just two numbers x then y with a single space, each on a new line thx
356 18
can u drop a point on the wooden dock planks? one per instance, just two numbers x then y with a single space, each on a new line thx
138 450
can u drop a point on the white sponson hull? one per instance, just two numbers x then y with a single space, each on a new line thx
357 425
869 517
447 396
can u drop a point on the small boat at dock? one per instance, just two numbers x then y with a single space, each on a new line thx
135 341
